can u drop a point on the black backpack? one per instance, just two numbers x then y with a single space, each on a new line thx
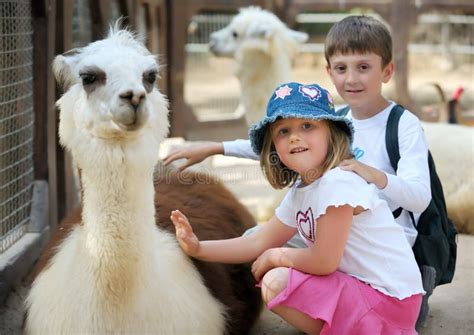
435 244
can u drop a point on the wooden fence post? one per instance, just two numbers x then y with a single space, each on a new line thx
401 20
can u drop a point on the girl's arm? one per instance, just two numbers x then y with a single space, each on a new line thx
323 257
242 249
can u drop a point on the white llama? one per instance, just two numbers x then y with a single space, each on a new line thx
452 149
115 271
263 47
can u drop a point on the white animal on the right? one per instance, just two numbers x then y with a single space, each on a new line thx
263 47
452 147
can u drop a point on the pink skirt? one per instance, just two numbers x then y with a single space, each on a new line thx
347 305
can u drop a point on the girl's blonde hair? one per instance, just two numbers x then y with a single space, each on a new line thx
280 176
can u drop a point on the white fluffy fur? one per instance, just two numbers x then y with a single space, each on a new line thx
117 272
263 48
452 150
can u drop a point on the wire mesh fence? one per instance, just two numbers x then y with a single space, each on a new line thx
81 23
16 120
211 88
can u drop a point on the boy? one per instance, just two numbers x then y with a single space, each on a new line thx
358 51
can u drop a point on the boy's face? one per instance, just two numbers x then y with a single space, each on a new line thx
358 78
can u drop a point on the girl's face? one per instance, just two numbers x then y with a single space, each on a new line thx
301 145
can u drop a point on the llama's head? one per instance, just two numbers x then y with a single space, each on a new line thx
254 28
111 96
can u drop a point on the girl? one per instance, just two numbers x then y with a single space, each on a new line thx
358 274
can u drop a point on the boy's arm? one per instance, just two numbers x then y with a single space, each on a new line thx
369 173
410 188
197 153
239 148
194 154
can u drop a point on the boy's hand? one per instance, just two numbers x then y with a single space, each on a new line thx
184 233
370 174
194 154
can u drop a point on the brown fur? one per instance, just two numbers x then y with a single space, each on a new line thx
214 214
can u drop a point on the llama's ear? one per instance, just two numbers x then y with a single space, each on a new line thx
63 69
298 36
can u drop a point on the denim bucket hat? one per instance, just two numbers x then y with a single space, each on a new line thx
295 100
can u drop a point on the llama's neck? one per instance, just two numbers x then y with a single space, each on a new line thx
118 199
118 196
118 222
259 74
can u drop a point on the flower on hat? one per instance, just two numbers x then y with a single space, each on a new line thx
283 92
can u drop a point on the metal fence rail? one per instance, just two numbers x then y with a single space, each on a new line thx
16 120
443 28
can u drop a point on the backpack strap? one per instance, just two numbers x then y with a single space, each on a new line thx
393 150
391 135
343 111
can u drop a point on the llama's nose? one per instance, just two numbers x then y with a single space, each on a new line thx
134 98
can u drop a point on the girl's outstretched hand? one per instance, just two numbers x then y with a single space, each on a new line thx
184 233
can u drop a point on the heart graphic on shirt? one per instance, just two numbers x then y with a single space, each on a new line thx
310 92
305 224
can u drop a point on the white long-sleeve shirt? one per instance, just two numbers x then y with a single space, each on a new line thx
408 187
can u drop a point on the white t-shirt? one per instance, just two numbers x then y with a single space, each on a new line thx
409 188
376 251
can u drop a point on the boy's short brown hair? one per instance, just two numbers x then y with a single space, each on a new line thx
280 176
359 34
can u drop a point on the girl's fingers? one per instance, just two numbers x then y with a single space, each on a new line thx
177 219
181 223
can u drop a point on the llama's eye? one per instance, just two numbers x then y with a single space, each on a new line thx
151 77
234 34
88 78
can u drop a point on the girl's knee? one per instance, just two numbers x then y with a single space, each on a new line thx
274 282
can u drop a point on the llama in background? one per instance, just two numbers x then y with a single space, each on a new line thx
262 47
